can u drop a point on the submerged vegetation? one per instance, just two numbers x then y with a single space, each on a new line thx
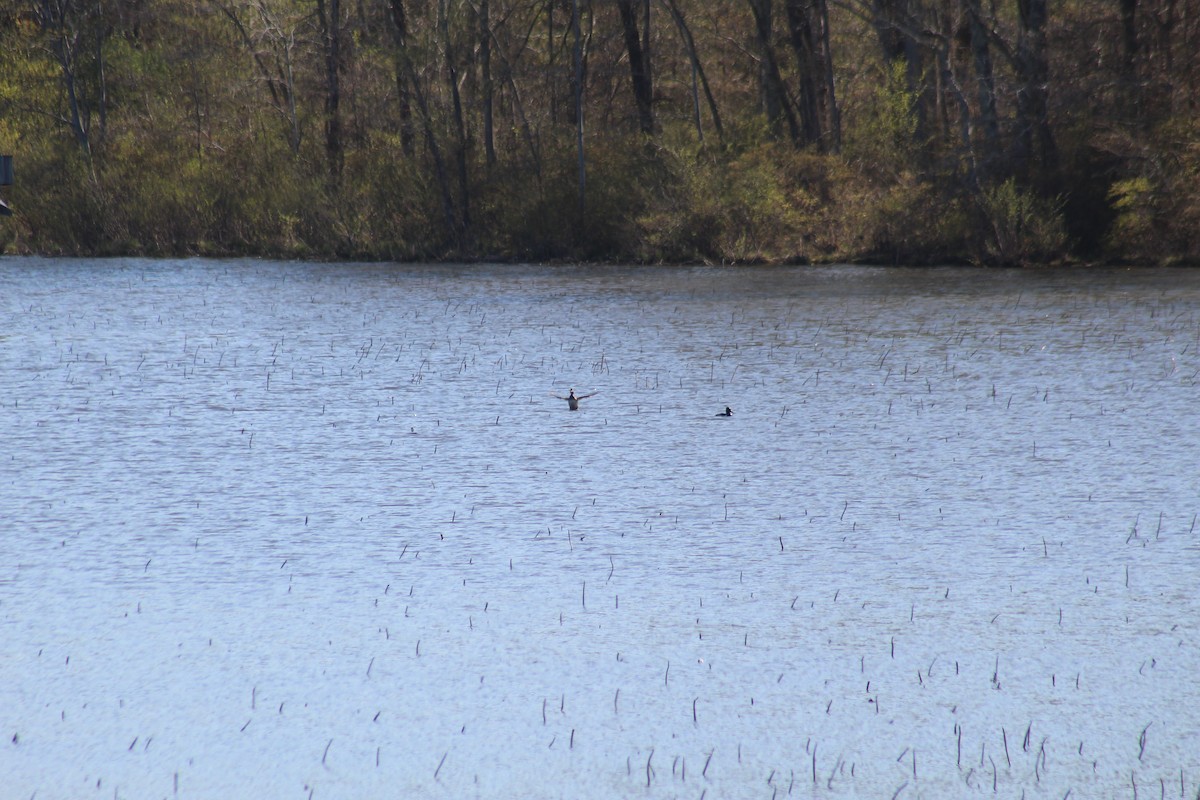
1031 131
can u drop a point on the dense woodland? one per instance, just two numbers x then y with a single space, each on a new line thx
723 131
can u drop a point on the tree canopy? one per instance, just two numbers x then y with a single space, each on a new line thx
724 131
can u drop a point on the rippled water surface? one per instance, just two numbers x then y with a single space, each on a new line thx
298 530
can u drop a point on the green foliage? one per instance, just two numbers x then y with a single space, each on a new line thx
397 210
58 207
1134 230
535 215
908 221
541 218
768 202
1158 205
684 219
881 138
1020 227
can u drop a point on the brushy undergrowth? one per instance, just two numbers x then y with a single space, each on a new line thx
749 199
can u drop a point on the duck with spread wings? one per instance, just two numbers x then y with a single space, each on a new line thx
573 399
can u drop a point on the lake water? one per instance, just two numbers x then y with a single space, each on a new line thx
305 530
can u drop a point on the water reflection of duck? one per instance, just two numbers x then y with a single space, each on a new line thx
573 400
728 412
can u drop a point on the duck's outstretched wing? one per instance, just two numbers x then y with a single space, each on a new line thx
585 396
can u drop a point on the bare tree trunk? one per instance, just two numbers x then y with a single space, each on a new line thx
577 83
1131 91
774 93
550 60
803 36
952 88
329 19
698 76
403 87
459 125
1034 146
279 76
1129 40
57 18
407 75
639 66
984 80
485 66
646 42
834 130
102 32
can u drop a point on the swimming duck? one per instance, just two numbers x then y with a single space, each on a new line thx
728 412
